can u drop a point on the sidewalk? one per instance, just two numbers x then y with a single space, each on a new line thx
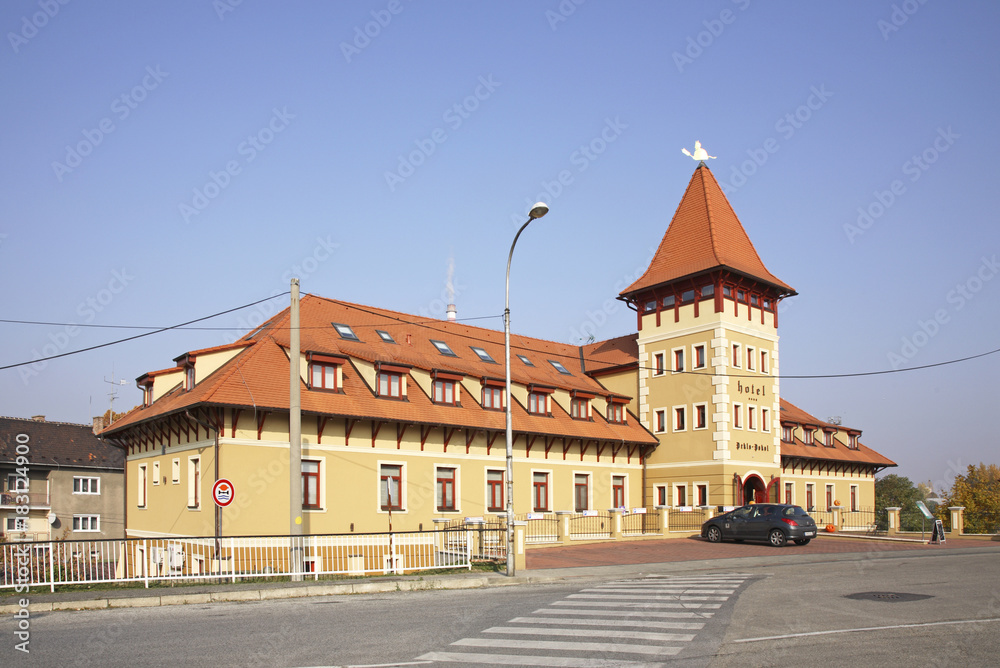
544 565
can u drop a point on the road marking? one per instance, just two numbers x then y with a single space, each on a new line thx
593 633
628 613
516 660
634 623
664 597
658 650
869 628
635 604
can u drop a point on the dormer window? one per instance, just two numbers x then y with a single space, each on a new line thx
147 395
324 372
493 397
616 410
807 435
828 438
853 441
444 392
579 408
786 433
392 382
345 332
443 348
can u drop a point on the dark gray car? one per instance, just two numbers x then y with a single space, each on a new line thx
776 523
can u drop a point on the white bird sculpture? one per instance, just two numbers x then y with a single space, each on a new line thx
699 152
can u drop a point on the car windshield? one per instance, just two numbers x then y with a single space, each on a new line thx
793 511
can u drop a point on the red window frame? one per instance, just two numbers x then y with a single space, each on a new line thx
536 403
143 479
661 420
659 364
829 498
788 493
617 491
494 490
737 416
751 414
661 495
807 436
736 355
680 419
700 417
681 491
699 357
679 360
581 492
390 384
444 392
540 491
445 484
616 413
786 433
310 484
327 376
702 491
854 498
493 398
809 497
578 408
391 475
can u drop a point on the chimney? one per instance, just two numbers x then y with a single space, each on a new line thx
38 418
98 424
452 313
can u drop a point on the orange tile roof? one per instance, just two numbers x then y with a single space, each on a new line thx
258 375
617 352
704 234
837 452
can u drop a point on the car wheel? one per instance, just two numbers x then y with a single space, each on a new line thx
714 534
801 541
777 537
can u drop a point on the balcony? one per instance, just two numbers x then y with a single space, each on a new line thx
38 500
23 536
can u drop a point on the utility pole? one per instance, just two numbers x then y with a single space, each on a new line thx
295 437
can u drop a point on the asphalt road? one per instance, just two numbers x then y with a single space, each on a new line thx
662 614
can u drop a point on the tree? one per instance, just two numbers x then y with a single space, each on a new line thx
895 491
979 491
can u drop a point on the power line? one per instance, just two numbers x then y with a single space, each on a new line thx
211 329
139 336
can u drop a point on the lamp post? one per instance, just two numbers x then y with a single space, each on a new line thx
537 211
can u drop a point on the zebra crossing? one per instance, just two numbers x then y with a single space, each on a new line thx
631 623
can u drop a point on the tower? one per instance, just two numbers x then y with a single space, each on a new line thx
707 320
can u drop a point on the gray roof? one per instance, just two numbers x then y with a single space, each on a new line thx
58 445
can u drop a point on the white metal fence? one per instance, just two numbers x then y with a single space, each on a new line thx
51 563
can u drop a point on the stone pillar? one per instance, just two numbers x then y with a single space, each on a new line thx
957 519
616 523
836 516
519 560
893 527
562 526
664 519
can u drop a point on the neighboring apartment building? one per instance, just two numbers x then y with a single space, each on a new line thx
74 481
403 417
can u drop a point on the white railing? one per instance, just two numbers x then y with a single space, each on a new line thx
51 563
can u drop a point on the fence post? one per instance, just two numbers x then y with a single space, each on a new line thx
232 558
616 523
836 516
519 559
52 567
468 545
562 526
957 519
145 560
893 513
664 520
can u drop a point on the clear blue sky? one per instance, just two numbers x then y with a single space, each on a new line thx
166 161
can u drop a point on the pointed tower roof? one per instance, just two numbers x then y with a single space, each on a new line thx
704 234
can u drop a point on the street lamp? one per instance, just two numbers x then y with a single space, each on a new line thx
537 211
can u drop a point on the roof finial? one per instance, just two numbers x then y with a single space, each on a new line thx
700 154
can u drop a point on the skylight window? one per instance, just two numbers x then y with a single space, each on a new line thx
526 361
345 332
560 368
483 355
443 348
385 336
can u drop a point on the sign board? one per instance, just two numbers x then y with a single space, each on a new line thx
535 516
685 509
923 509
223 492
937 535
474 519
638 511
589 513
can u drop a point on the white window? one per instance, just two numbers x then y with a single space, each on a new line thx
750 358
680 418
140 488
700 416
156 473
737 416
678 354
15 523
86 485
175 471
765 366
698 353
86 522
194 482
659 364
391 489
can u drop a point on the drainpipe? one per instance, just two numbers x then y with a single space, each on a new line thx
218 509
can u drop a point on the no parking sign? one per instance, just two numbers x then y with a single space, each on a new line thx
223 492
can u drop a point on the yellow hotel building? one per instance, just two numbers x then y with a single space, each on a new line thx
403 418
